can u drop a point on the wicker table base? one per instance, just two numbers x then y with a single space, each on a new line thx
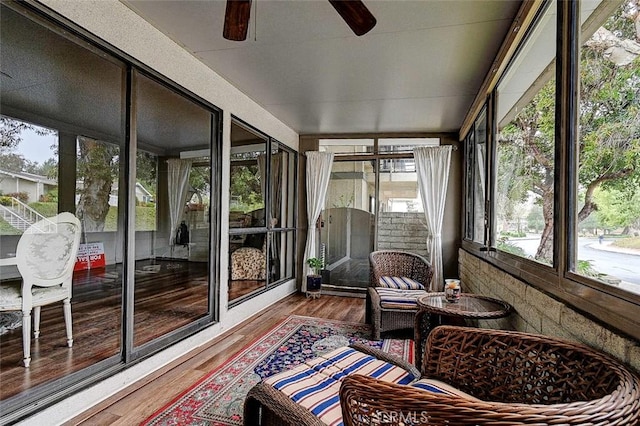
434 310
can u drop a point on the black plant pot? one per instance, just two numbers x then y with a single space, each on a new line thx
314 282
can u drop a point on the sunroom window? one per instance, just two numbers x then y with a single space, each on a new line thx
524 222
608 179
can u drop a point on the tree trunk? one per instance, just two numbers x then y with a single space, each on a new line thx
93 205
545 249
96 174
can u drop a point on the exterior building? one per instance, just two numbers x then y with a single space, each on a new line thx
34 186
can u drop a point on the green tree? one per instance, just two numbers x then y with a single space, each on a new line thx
10 137
14 162
11 132
49 169
617 209
245 186
609 144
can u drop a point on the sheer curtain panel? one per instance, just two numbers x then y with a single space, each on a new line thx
318 173
178 180
432 168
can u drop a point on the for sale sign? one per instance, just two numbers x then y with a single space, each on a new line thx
90 256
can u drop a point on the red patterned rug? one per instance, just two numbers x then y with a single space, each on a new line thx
218 398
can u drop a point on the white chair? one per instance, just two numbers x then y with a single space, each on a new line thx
45 257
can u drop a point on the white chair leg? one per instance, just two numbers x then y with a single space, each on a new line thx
68 321
36 322
26 337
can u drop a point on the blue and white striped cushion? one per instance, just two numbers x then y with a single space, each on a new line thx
391 298
315 384
402 283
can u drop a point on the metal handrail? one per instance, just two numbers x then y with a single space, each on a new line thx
22 213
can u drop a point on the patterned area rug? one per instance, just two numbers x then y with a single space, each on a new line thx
218 398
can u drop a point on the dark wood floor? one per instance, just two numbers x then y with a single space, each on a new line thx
165 300
240 288
134 404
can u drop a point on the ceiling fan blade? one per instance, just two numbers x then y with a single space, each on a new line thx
355 14
236 19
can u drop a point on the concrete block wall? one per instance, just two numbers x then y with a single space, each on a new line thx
403 231
536 312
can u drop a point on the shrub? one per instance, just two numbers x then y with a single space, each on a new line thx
22 196
49 197
506 246
513 234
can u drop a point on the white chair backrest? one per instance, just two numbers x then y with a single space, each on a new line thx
47 250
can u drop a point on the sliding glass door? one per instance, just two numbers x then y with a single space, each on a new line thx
372 203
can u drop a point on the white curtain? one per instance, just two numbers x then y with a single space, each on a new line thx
318 173
178 180
432 168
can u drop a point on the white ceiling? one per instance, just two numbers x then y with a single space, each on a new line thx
417 70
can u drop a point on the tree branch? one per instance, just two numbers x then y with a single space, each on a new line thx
590 205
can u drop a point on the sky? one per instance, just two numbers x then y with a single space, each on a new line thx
35 147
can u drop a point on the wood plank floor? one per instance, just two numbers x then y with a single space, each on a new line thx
164 302
134 404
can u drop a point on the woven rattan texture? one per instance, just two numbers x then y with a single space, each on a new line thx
529 379
389 263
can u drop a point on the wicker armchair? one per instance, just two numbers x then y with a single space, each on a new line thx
518 378
389 263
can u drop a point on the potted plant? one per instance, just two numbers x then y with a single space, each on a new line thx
314 281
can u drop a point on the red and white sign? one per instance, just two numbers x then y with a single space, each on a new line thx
90 255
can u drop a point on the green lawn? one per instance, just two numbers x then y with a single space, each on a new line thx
6 229
45 209
145 218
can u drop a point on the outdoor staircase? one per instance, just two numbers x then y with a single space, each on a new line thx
19 215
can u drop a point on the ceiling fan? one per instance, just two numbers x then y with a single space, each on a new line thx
354 13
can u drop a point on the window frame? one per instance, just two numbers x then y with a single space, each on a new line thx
268 230
611 306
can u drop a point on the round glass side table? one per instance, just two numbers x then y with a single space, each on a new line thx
434 310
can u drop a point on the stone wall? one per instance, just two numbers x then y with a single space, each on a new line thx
403 231
536 312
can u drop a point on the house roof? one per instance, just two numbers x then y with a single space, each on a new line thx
29 177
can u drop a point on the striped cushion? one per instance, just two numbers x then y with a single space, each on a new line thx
315 385
402 283
392 298
436 386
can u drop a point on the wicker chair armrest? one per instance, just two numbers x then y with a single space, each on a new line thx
266 406
387 357
368 401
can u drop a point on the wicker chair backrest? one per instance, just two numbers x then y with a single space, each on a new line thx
508 366
392 263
